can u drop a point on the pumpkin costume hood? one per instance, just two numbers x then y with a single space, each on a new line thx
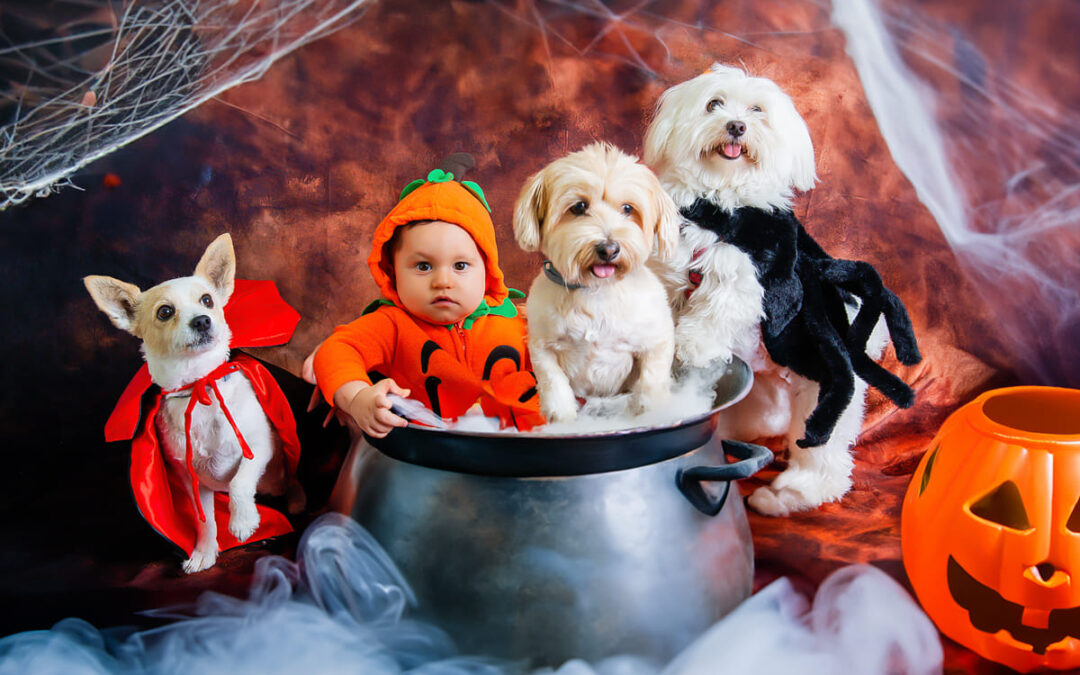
441 197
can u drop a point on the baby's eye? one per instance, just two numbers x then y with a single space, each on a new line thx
712 105
207 301
461 266
627 209
755 108
165 312
423 267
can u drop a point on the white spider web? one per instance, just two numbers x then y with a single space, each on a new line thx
121 69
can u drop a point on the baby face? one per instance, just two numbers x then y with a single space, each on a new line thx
439 272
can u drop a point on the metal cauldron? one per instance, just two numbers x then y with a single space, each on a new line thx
544 548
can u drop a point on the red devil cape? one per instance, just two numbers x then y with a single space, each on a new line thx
257 317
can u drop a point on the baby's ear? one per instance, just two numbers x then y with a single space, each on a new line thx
118 299
529 213
218 266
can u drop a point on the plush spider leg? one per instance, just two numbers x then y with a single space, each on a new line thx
862 280
900 330
837 381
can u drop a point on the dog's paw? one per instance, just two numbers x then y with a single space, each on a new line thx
558 405
692 350
243 518
770 502
559 413
642 402
200 560
795 490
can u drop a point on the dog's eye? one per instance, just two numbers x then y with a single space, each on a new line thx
627 209
207 301
714 104
579 208
755 108
165 312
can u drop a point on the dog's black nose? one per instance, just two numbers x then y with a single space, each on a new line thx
607 251
200 323
736 128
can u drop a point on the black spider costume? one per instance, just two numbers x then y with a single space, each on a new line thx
806 327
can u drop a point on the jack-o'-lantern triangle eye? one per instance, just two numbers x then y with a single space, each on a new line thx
1004 506
926 472
1074 520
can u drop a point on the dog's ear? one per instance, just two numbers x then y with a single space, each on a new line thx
116 298
529 213
797 138
668 220
658 135
803 172
218 266
718 68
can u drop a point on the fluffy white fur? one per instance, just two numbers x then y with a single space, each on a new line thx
178 352
614 334
738 141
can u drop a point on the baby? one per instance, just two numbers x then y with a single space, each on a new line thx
445 332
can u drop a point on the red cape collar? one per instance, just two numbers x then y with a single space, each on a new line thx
257 316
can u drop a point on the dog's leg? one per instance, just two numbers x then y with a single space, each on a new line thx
819 474
721 317
206 548
653 385
557 400
243 516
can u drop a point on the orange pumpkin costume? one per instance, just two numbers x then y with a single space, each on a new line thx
449 368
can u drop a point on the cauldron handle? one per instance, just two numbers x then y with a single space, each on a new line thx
752 458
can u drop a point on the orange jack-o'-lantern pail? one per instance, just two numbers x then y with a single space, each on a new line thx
991 527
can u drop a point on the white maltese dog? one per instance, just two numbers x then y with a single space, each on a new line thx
599 321
747 280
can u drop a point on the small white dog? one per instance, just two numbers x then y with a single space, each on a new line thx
599 321
731 144
185 338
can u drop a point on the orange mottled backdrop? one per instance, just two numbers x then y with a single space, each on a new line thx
300 165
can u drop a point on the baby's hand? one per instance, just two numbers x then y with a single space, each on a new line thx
370 407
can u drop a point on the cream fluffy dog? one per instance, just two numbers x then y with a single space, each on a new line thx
182 325
738 141
599 320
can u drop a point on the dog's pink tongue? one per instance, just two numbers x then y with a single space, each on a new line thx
603 271
732 150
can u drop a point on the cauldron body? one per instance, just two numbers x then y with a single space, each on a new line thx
563 547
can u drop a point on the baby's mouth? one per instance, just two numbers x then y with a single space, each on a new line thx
443 300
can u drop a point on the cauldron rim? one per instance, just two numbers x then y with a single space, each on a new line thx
537 454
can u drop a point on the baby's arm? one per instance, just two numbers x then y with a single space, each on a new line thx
341 363
369 405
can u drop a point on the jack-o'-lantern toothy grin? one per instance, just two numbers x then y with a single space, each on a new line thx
991 528
991 613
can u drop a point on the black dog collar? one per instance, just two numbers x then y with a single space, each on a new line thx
551 273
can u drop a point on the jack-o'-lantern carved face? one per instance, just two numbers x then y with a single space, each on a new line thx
991 527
